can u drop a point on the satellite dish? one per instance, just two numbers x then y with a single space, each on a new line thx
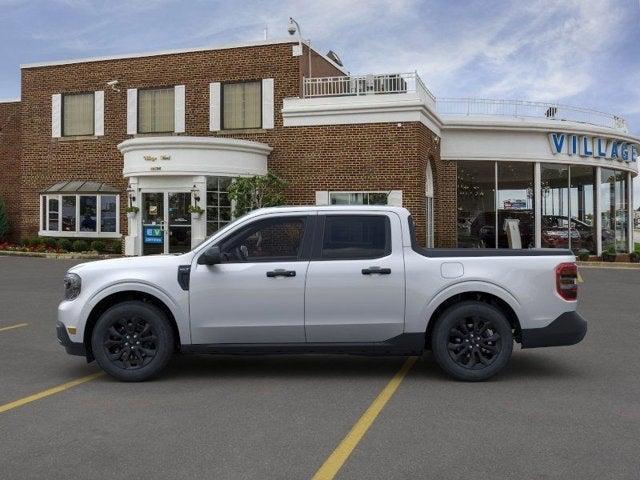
334 56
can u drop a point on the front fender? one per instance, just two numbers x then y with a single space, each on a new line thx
179 309
467 286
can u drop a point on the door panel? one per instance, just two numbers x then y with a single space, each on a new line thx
179 222
356 299
257 294
153 223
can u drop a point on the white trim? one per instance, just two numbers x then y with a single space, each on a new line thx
598 209
322 197
215 118
56 115
10 100
176 52
77 233
537 203
132 111
179 109
392 108
630 242
395 198
98 113
268 107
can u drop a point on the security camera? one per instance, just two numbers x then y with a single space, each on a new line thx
292 27
113 84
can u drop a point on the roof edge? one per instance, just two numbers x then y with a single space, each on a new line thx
10 100
177 51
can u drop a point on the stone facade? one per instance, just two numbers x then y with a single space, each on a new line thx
379 156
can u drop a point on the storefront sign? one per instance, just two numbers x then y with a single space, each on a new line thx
153 235
596 147
152 158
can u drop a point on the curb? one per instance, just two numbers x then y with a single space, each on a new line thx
613 265
60 256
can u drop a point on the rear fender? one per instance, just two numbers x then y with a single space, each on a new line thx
467 287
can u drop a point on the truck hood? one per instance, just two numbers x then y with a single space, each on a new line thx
133 263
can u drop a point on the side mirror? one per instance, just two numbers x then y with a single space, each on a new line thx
211 256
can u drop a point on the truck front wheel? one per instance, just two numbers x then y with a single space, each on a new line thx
472 341
132 341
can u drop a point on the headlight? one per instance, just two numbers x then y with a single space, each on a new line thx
72 286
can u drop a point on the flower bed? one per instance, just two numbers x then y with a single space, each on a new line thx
48 245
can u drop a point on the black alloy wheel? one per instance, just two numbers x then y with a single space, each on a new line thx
472 341
130 343
133 341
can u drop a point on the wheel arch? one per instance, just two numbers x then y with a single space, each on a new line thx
492 295
129 294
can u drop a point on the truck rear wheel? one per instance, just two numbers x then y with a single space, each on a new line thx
132 341
472 341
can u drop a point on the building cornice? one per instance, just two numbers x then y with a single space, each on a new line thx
175 52
190 143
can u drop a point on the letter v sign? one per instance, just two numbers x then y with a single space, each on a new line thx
557 142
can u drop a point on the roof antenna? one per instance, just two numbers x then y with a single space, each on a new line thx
266 32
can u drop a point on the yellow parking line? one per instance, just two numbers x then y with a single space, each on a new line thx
51 391
334 463
580 278
2 329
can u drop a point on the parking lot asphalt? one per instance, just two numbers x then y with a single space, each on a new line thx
565 413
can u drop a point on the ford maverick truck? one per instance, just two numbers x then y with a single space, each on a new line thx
321 280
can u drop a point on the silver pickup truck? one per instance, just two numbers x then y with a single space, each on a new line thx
321 280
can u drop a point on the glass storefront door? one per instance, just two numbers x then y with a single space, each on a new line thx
179 222
166 222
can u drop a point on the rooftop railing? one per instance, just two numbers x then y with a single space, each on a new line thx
526 109
399 83
356 85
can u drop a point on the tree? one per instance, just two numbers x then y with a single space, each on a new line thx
4 221
260 191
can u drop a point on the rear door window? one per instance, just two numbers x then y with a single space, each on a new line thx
354 237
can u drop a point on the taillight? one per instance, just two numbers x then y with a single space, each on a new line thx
567 281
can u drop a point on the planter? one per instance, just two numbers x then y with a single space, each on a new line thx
131 215
196 216
609 257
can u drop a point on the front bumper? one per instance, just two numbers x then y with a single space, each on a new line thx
568 329
72 348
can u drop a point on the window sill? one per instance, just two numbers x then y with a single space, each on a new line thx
46 233
241 131
77 138
155 134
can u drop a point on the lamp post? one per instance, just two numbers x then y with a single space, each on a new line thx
292 29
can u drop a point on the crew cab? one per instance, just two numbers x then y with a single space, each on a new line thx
321 280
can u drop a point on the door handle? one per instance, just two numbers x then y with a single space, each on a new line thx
280 272
376 271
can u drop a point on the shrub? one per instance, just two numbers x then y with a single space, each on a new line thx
50 242
609 255
65 244
583 254
98 246
35 241
25 242
80 246
634 257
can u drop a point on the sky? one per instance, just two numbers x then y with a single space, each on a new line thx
577 52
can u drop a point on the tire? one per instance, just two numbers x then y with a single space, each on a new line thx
454 337
132 341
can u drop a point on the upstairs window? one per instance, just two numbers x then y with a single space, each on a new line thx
78 114
241 105
156 110
358 198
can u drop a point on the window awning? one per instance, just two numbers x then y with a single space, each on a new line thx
81 186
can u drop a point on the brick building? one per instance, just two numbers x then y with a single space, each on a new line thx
163 131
